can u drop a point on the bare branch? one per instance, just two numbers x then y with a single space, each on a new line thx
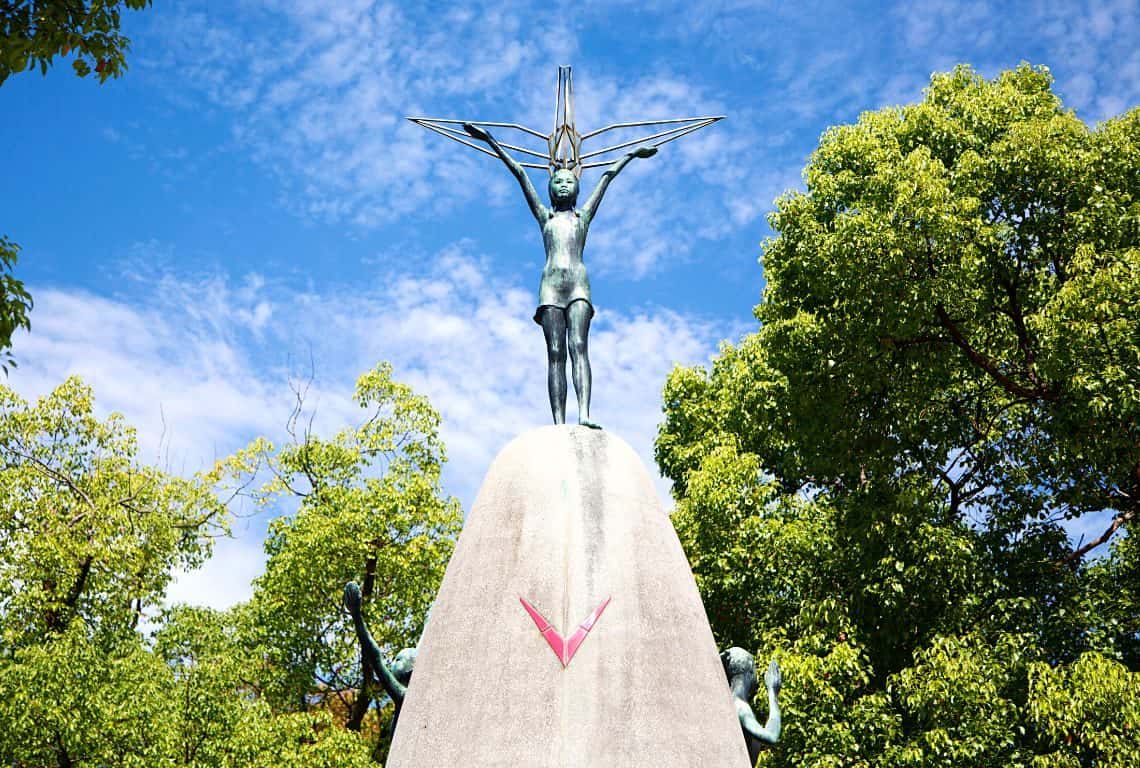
1074 557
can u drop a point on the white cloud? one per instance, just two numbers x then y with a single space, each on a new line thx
317 92
1089 46
203 365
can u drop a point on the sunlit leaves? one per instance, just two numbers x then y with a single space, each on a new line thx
1086 712
90 536
369 510
71 700
34 32
89 532
872 485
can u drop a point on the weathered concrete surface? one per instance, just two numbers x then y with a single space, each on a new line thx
566 517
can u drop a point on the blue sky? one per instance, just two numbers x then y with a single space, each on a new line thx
249 197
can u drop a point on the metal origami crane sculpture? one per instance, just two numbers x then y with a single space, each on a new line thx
564 306
564 143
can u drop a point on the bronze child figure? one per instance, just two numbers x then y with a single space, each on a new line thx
564 308
395 680
740 669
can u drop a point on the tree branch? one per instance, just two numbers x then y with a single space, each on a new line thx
1074 557
987 365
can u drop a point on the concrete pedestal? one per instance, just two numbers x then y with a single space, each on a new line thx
566 518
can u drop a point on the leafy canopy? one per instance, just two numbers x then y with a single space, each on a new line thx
34 32
15 302
872 485
369 509
89 540
88 532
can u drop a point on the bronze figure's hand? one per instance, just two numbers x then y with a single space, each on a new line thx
644 152
352 597
773 678
476 132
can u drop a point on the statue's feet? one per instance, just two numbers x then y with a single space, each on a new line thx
585 422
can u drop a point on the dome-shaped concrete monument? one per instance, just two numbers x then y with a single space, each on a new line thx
568 631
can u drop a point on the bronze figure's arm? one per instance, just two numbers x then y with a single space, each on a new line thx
394 687
608 175
536 206
770 732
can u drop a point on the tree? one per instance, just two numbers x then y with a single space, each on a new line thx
89 537
873 484
369 510
34 32
72 700
15 302
88 533
216 718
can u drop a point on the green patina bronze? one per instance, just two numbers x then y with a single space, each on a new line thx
740 669
394 679
564 308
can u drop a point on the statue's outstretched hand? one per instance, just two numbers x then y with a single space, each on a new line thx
352 597
476 132
773 678
644 152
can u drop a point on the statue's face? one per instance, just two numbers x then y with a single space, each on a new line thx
563 187
403 665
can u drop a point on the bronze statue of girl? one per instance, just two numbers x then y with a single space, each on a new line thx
564 308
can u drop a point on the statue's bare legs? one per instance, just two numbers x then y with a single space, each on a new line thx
578 316
554 329
557 324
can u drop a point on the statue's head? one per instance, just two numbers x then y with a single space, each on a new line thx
740 669
563 188
403 664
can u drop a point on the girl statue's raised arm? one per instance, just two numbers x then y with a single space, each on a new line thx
739 667
536 206
609 175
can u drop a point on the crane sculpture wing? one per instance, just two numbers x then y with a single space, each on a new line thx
564 145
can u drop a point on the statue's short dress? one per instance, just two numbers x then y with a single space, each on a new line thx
561 287
564 278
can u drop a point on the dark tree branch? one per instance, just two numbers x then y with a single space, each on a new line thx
1074 557
987 365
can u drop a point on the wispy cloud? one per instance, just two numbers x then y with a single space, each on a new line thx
317 93
203 364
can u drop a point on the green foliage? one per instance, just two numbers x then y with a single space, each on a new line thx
217 716
210 693
74 700
15 302
295 740
86 531
871 486
89 538
369 510
1088 713
34 32
958 289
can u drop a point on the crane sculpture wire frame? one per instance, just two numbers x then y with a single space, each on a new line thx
564 143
